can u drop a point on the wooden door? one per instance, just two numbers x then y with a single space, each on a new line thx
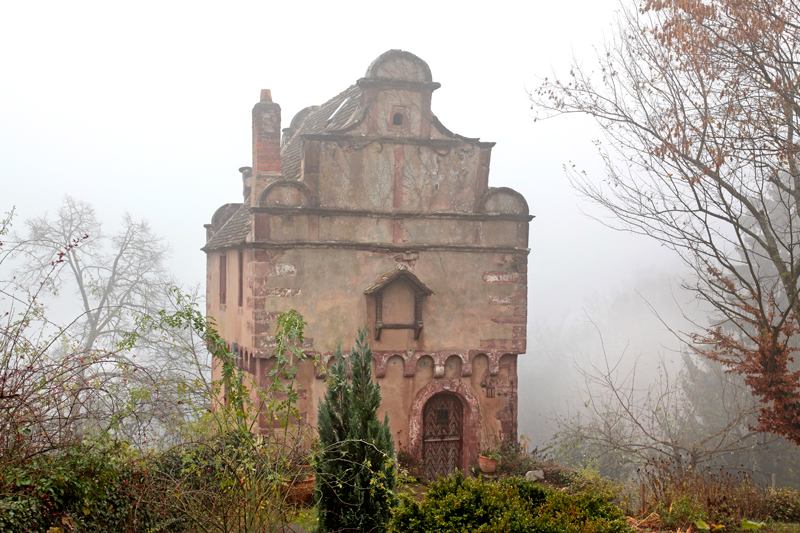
442 422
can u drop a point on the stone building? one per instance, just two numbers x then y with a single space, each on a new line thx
368 211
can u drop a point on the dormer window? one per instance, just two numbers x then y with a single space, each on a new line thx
398 301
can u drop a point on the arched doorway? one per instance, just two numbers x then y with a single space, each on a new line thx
442 435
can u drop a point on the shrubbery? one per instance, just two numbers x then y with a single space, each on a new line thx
512 505
681 496
783 504
515 459
65 464
84 488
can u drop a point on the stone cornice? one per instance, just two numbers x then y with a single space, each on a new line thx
394 215
403 85
368 139
386 247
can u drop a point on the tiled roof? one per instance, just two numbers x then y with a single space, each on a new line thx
233 232
339 113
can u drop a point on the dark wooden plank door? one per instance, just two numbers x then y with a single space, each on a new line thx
441 437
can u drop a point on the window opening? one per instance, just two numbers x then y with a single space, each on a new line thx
397 120
223 278
241 278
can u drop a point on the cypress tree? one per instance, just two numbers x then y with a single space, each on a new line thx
356 468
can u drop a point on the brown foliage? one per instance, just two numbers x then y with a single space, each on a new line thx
698 100
678 496
764 359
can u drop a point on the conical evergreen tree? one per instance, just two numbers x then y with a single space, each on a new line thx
356 469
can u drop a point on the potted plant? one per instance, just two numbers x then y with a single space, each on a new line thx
300 481
300 490
487 460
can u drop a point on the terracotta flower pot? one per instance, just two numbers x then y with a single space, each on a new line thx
488 465
299 491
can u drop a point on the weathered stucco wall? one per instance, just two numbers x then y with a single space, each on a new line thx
479 298
384 219
444 176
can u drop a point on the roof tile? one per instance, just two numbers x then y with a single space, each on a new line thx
339 112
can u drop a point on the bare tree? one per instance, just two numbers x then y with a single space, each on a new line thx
113 275
698 103
696 417
46 396
141 390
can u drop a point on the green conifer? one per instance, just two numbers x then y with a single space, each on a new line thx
356 469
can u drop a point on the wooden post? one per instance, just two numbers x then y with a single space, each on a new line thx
642 498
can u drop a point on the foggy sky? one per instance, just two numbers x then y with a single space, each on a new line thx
145 107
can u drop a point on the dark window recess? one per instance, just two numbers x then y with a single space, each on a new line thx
223 278
397 120
241 278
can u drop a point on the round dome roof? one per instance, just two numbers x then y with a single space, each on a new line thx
399 65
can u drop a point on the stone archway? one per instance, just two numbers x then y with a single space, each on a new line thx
471 416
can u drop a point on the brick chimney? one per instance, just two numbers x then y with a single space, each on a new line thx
266 143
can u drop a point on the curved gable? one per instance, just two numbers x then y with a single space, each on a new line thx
399 65
503 201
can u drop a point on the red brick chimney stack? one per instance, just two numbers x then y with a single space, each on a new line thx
266 135
266 141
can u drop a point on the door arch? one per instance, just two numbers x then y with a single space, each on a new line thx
442 435
471 437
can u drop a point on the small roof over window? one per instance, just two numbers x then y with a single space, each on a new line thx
399 271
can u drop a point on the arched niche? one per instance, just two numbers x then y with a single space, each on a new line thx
324 369
395 367
424 366
287 193
381 361
453 366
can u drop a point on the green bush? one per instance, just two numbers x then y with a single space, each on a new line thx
586 511
456 504
20 513
512 505
227 479
515 459
682 511
80 488
783 505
